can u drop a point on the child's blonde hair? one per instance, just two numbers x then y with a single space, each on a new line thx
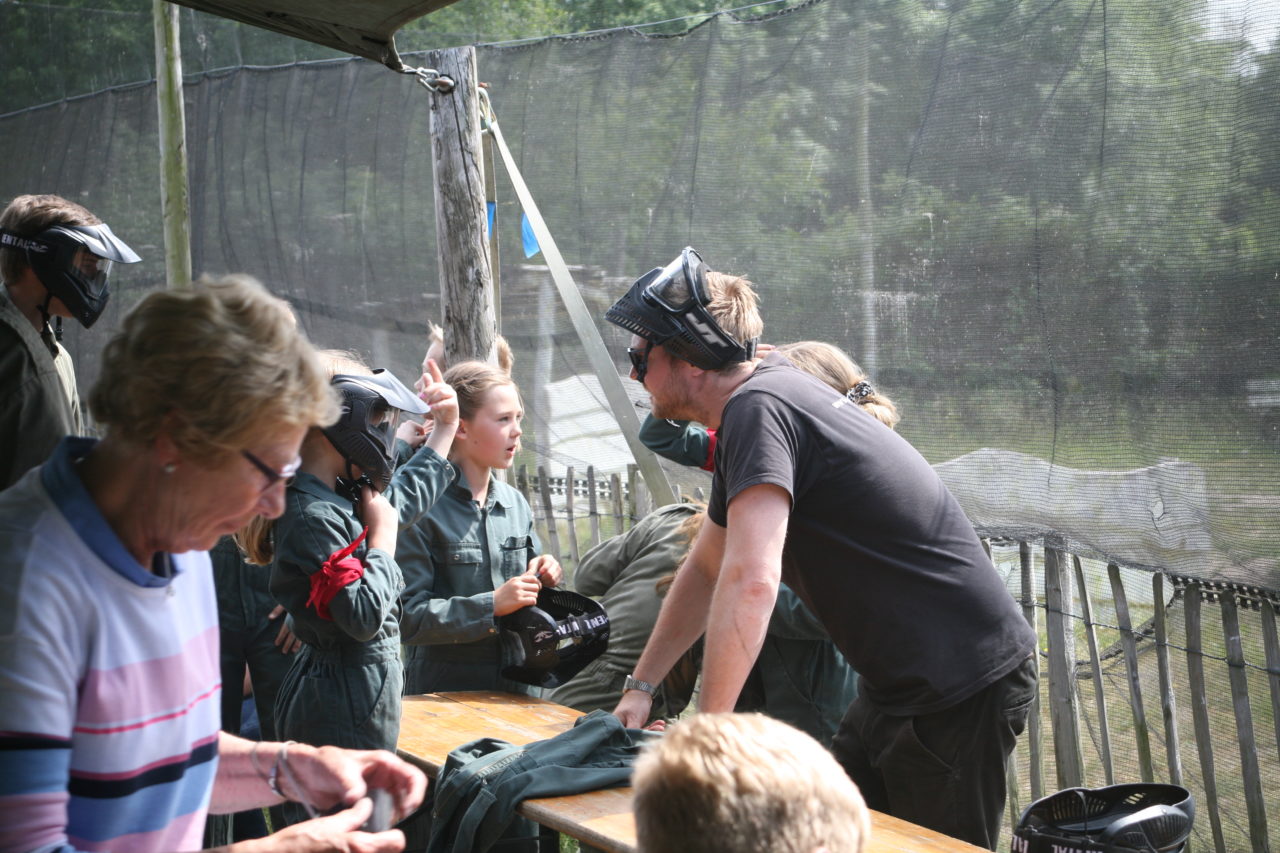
833 367
472 381
256 539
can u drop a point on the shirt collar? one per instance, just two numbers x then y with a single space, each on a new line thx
66 489
461 490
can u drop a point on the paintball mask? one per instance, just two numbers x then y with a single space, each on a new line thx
668 306
548 643
1135 818
365 434
73 263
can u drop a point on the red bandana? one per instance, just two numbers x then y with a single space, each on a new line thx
337 572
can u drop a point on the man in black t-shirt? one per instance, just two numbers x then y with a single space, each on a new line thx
810 489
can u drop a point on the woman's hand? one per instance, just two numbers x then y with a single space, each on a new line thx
329 776
547 570
338 832
520 591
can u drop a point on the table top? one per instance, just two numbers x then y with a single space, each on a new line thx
435 724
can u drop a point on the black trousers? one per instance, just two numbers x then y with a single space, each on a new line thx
945 770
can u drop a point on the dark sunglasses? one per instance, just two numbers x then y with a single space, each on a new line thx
273 476
640 360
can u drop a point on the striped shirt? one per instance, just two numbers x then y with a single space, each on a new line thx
109 678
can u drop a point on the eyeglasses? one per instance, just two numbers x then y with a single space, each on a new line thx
273 476
640 360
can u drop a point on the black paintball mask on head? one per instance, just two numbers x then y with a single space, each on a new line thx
668 307
365 434
73 263
548 643
1135 818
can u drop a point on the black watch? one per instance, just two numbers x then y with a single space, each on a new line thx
633 683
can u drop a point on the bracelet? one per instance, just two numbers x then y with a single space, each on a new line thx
273 778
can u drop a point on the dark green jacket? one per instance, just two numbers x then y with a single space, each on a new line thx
37 406
680 441
453 559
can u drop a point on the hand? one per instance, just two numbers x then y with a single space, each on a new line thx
329 776
381 518
764 349
520 591
435 393
286 640
547 570
338 832
634 709
413 433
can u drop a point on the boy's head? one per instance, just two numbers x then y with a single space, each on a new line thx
724 783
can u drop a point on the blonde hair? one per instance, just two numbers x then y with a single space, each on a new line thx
687 531
212 367
256 540
502 350
472 381
734 306
27 216
724 783
833 367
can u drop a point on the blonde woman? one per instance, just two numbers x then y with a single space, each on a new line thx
109 681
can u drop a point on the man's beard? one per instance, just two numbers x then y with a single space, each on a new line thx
676 405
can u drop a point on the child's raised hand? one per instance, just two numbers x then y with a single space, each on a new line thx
414 433
435 393
547 569
519 591
381 518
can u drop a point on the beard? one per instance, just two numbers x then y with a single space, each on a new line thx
675 404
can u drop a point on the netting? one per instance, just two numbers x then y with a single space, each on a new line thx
1048 230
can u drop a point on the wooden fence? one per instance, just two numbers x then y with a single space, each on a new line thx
1140 681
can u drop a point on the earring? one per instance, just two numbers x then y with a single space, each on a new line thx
170 467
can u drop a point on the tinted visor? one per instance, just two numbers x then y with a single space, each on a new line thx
680 286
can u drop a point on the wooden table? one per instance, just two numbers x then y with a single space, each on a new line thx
437 723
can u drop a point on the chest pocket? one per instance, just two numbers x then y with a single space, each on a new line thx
459 568
516 553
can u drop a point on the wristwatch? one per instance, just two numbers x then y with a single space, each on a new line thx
633 683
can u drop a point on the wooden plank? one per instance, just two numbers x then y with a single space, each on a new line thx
1272 644
1063 708
593 505
569 511
1095 669
1034 730
1200 716
615 484
435 724
462 248
1249 770
1168 704
633 494
1129 643
175 202
553 535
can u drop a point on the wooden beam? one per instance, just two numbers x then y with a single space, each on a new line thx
1064 712
174 200
466 280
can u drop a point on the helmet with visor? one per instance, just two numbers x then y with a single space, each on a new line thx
73 262
667 306
365 433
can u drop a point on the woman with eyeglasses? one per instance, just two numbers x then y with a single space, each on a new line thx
109 676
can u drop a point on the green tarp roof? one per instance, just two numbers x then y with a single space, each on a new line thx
363 27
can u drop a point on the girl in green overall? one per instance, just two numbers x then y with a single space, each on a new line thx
334 566
474 556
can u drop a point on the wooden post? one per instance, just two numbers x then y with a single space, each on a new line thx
1095 668
1250 773
1063 702
466 281
174 200
1272 644
1200 716
574 553
1168 706
1034 745
1130 645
